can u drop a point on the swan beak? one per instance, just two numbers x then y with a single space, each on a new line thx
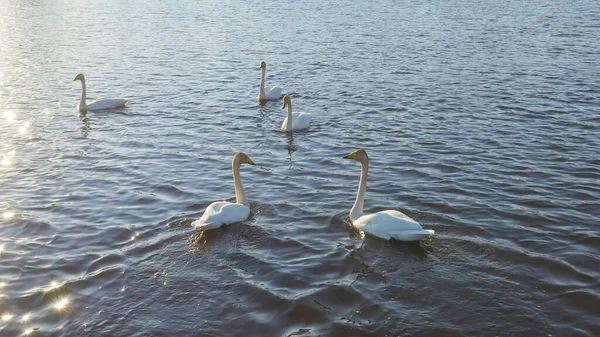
284 104
350 156
249 161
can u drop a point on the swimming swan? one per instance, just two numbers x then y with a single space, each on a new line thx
271 95
97 104
294 121
388 224
220 213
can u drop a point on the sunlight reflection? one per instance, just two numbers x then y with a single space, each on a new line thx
29 331
1 249
10 116
23 130
2 285
53 285
62 304
7 317
6 158
8 215
26 318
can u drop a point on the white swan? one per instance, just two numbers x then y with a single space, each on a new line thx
271 95
294 121
388 224
97 104
220 213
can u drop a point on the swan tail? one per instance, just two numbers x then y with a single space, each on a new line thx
412 235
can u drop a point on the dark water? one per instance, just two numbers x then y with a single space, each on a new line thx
481 119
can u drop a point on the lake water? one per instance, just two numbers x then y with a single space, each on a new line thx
481 119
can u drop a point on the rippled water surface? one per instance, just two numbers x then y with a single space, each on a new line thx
481 119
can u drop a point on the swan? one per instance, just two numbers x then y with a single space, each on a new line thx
294 121
389 224
271 95
97 104
220 213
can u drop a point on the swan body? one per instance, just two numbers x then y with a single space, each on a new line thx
220 213
97 104
295 120
390 224
274 94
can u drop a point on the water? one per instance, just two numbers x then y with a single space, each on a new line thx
481 120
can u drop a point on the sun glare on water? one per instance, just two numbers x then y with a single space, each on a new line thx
10 116
61 304
5 162
23 130
53 285
26 318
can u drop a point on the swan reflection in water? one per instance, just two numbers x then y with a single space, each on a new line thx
290 147
85 128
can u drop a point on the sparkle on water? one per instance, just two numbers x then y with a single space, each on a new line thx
53 285
8 215
61 304
26 318
7 317
23 129
9 115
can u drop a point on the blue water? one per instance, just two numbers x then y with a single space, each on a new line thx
480 118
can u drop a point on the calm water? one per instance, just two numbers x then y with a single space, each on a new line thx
481 119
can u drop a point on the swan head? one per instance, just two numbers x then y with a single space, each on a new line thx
358 155
263 65
79 77
286 101
241 158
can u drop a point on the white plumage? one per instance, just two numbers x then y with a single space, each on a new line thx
97 104
220 213
294 121
390 224
271 95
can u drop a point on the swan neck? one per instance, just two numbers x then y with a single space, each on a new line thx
289 116
261 90
237 183
357 209
82 105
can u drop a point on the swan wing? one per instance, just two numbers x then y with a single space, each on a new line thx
274 93
220 213
392 224
301 120
412 234
106 103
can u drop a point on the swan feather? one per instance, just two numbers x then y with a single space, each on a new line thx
107 103
221 213
300 120
392 224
